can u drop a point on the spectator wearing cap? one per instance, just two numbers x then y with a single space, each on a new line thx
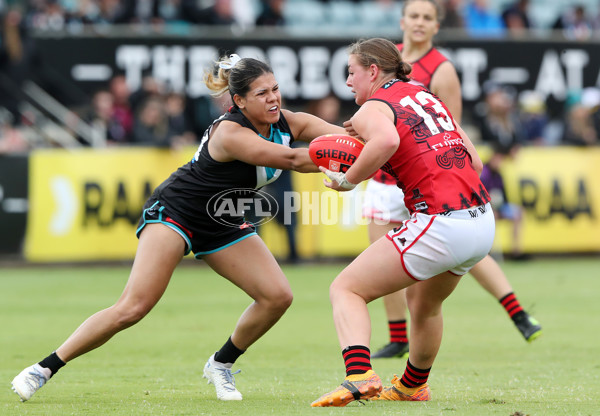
516 18
498 118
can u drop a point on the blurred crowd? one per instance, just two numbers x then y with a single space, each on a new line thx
487 17
156 116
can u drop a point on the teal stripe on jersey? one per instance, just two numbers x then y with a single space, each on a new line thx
266 175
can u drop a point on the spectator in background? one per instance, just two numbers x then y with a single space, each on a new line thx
575 24
17 57
579 125
12 140
516 18
492 179
101 116
481 20
151 126
533 117
122 112
499 122
220 13
271 14
328 108
452 18
180 131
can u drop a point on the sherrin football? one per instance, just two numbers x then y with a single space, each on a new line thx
336 152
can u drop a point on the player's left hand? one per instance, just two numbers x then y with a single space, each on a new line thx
338 180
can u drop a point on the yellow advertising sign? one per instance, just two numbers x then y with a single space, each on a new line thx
560 191
85 204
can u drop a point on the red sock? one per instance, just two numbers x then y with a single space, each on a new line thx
398 331
511 304
413 376
357 359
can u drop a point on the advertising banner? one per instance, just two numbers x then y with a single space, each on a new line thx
85 204
312 68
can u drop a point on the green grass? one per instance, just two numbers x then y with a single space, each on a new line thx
155 368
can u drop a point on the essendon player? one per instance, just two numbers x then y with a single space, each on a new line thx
383 200
410 132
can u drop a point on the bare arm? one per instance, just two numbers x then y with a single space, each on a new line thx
230 141
306 127
373 122
446 85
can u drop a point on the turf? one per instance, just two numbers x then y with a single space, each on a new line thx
155 368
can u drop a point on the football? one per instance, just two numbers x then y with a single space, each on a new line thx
336 152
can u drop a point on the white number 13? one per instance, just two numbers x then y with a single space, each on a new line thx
424 98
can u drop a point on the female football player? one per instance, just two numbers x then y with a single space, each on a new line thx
244 149
384 201
412 134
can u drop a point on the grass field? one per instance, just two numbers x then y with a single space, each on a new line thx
155 368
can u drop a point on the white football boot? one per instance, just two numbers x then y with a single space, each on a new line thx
30 380
221 376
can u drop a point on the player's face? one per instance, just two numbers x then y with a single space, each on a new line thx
359 80
419 22
262 103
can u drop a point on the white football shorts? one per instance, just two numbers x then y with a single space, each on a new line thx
384 203
454 242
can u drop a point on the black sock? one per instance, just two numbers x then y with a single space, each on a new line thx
228 353
52 362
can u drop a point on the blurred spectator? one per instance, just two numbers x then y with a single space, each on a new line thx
491 178
150 88
203 110
481 20
516 18
534 117
11 138
122 112
285 217
151 126
219 13
17 59
590 98
580 129
499 120
575 23
328 108
271 14
452 17
101 117
180 132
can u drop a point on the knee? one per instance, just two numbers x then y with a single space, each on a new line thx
423 308
128 314
280 301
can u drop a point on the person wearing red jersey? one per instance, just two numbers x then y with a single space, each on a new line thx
411 134
384 203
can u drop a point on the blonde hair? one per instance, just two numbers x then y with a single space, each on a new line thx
234 76
384 54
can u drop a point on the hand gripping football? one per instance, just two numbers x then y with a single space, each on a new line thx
336 152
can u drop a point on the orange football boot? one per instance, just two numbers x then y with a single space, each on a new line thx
355 387
399 392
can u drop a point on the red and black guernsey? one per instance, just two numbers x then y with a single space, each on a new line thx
431 165
422 72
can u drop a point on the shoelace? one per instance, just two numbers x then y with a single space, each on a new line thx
35 379
228 376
